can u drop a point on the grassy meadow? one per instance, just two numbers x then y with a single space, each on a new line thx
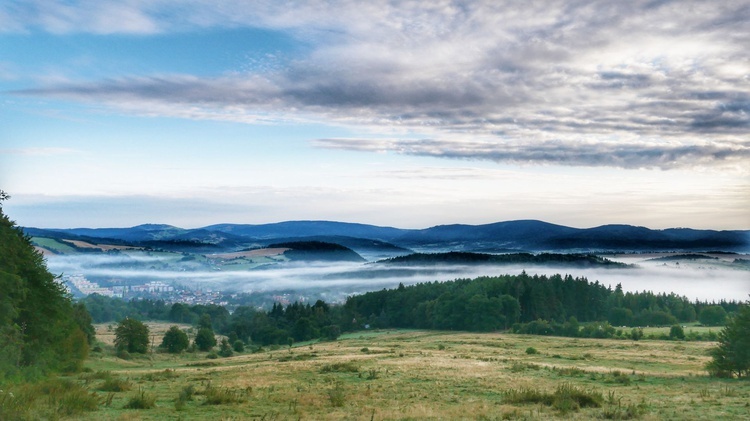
388 375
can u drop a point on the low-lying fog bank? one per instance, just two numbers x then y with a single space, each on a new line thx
336 281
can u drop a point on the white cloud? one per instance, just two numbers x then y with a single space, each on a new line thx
625 84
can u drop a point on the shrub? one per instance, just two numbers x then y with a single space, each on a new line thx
225 350
166 374
238 346
676 332
140 400
337 395
566 397
346 367
185 396
115 384
531 350
219 396
636 334
75 400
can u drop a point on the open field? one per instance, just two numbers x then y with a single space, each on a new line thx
103 247
379 375
265 252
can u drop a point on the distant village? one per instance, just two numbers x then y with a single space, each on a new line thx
79 286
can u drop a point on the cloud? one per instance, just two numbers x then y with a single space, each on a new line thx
592 154
625 84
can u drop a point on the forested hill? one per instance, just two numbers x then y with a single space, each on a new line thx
466 258
40 328
317 251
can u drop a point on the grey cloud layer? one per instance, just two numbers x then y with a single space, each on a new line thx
626 84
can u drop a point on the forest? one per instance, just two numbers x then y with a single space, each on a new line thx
535 304
41 329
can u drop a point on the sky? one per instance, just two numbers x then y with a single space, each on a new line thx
115 113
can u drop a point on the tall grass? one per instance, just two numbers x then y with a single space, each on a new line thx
141 400
566 397
48 399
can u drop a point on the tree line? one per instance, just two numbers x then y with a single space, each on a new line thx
500 302
536 304
41 329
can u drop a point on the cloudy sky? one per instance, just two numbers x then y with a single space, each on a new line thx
408 114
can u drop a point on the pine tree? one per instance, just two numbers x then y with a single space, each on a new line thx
732 356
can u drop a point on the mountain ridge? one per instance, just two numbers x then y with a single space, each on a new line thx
515 235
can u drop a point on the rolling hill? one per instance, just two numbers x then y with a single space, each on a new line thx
500 237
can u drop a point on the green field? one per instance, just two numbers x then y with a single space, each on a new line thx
53 245
390 375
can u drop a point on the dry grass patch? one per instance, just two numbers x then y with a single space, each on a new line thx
470 378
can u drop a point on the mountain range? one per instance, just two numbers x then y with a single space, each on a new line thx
378 241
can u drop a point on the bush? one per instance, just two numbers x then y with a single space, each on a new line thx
636 334
238 346
115 384
337 395
345 367
141 400
676 332
565 398
218 396
531 350
185 396
225 350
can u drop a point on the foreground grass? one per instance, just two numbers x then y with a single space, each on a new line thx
423 375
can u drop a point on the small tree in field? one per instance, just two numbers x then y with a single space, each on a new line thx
175 340
676 332
131 335
732 356
205 339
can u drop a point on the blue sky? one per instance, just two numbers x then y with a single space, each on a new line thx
193 112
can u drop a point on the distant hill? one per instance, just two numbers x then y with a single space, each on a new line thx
318 251
292 229
464 258
509 236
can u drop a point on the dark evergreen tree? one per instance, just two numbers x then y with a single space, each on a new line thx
732 356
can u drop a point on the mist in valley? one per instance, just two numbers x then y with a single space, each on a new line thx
335 281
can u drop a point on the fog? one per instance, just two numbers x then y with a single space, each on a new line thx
337 280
